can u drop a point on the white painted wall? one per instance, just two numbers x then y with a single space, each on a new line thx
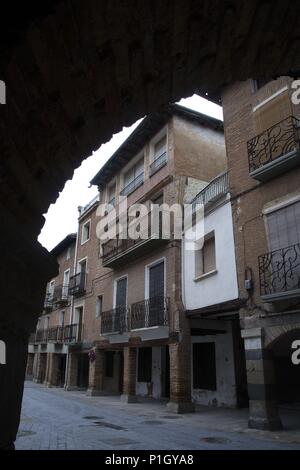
225 395
141 387
219 287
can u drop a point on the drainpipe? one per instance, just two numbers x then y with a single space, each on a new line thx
72 299
75 264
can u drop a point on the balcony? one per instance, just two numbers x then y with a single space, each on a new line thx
73 333
48 302
77 285
275 150
114 321
149 313
41 336
279 274
133 185
60 296
216 189
159 163
57 334
117 251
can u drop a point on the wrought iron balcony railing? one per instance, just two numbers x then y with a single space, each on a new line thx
151 231
60 295
150 312
73 333
279 273
279 141
158 163
214 190
114 321
57 334
48 302
133 185
31 338
77 284
41 336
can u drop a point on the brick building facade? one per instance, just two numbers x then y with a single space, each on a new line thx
132 336
261 126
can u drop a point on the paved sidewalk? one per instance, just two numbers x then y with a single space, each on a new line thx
55 419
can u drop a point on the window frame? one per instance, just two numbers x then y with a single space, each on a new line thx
88 222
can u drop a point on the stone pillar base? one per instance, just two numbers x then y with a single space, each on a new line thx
264 415
95 393
37 381
265 424
71 388
128 398
181 407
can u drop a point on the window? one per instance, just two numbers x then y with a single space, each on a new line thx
205 259
86 232
111 193
160 148
284 227
121 292
134 177
69 253
65 289
62 318
109 364
99 305
204 366
51 289
145 365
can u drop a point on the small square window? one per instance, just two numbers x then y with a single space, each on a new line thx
86 232
205 259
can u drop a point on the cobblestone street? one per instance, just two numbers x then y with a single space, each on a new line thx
55 419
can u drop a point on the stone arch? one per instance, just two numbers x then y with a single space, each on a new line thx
273 334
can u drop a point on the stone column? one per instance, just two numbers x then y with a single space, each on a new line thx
52 370
129 381
72 372
96 374
29 366
41 368
263 408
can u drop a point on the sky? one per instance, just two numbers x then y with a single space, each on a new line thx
62 217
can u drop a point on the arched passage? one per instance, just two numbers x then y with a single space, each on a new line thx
286 377
76 72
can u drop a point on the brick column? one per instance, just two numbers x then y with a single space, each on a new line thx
129 382
72 370
52 370
180 376
96 374
29 366
40 368
263 408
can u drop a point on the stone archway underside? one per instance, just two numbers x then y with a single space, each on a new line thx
75 74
